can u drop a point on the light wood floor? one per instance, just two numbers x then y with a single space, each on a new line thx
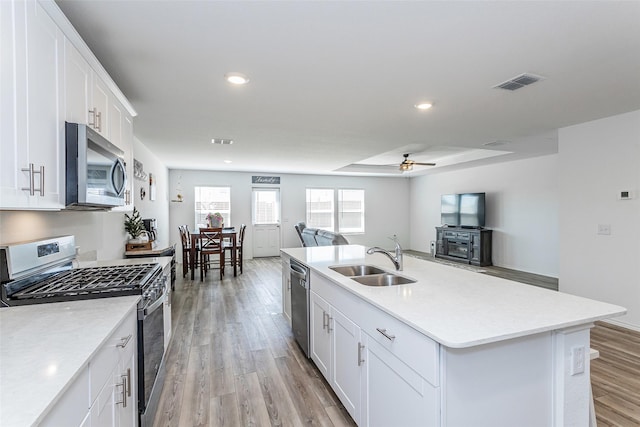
615 375
233 361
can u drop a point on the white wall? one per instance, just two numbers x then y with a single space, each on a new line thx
100 235
386 202
158 208
521 209
597 160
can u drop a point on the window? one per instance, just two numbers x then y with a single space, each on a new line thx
212 200
351 211
321 212
320 208
266 206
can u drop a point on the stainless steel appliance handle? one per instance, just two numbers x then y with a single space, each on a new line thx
153 307
297 271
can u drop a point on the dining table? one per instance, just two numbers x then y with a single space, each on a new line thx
227 233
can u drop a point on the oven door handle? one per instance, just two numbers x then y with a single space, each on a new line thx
153 307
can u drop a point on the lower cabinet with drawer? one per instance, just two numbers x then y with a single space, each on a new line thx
104 394
383 371
113 375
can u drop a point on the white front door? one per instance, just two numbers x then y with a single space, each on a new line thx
266 222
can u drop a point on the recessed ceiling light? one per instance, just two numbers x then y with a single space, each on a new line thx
236 78
228 161
221 141
423 106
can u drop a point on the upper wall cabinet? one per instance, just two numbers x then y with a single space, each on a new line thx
50 76
33 128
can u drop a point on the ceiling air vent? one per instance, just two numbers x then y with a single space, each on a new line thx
519 82
222 141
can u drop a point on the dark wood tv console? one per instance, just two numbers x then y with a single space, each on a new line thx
466 245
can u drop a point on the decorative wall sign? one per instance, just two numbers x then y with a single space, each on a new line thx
259 179
138 170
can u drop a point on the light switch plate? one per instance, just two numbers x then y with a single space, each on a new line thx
604 229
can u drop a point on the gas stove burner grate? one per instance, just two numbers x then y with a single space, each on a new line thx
91 282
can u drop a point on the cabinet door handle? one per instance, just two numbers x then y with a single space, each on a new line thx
99 121
324 320
329 318
123 384
32 184
93 113
31 188
360 359
129 382
124 341
42 180
386 334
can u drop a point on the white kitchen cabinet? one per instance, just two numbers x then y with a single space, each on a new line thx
77 85
320 345
113 376
393 393
99 107
121 134
383 371
95 397
346 362
126 393
286 289
336 350
32 151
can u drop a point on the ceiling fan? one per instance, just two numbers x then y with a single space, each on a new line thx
407 164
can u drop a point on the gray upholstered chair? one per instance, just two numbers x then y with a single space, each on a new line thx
300 226
309 237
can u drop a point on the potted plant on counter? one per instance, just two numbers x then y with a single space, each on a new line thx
135 227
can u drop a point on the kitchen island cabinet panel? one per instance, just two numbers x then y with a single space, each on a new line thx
395 394
346 362
320 345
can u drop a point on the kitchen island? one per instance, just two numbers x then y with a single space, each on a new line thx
455 348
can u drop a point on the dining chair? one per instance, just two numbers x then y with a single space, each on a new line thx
210 241
186 248
237 248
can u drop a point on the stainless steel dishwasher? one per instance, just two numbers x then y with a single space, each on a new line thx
300 304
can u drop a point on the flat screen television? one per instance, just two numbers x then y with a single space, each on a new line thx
463 210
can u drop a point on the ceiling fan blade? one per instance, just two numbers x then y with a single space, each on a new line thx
423 164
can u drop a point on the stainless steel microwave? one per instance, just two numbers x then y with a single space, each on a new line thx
96 175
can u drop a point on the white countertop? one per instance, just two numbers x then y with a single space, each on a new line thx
43 347
456 307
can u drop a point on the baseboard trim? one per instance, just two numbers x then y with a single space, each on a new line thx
623 324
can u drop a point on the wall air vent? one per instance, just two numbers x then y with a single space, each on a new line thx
519 82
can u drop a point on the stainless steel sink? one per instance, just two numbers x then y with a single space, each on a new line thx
386 279
356 270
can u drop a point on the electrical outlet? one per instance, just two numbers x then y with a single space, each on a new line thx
577 360
604 229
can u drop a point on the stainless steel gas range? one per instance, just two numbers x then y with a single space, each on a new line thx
42 271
